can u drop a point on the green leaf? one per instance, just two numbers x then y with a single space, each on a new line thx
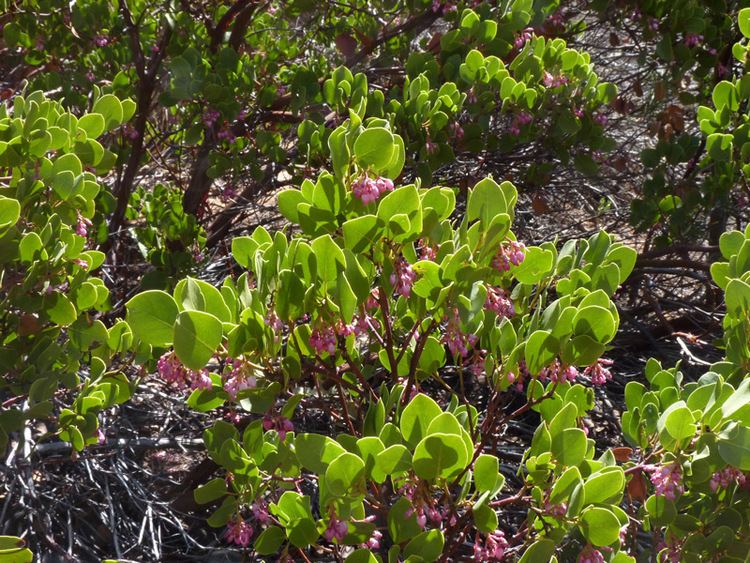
374 148
10 212
361 232
486 473
596 322
393 459
269 541
416 418
197 335
541 551
569 446
345 473
604 486
734 446
151 316
60 309
486 201
678 421
743 20
315 451
110 109
361 556
214 489
331 259
537 264
428 545
440 455
599 526
725 95
93 124
661 510
541 350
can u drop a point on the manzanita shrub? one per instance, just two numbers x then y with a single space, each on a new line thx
380 293
50 300
692 438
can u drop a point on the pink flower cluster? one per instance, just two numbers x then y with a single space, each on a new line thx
443 6
693 40
403 277
226 134
673 553
523 37
323 339
509 253
727 477
239 377
210 116
456 130
281 424
558 373
599 372
82 225
370 189
427 251
493 549
499 301
667 480
457 340
172 371
374 542
521 119
239 532
260 511
551 81
600 119
590 555
557 511
336 530
101 40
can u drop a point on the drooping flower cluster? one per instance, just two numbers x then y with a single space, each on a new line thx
82 225
239 377
673 553
493 548
692 40
374 542
172 371
599 372
520 119
499 301
280 423
557 510
323 339
101 40
590 555
558 373
726 478
552 81
226 134
523 37
336 530
509 253
370 189
239 532
443 6
601 119
403 277
427 251
667 480
455 338
456 130
210 116
260 511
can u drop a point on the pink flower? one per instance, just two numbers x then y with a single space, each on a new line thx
551 81
693 40
374 542
726 478
456 130
281 424
667 480
493 548
590 555
458 342
499 301
82 225
90 76
598 372
370 189
239 532
430 147
336 530
523 37
101 40
323 339
403 277
509 254
557 511
210 116
260 511
600 119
